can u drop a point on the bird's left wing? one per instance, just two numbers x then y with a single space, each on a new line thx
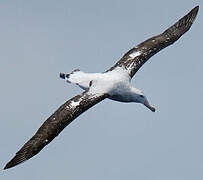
55 124
137 56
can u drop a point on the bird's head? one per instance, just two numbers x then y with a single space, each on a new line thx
141 98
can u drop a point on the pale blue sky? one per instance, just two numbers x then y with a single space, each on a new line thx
39 39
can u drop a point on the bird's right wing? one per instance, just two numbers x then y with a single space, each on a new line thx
55 124
136 57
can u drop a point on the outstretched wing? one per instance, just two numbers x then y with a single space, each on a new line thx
137 56
55 124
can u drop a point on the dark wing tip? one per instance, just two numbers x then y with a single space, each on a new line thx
183 25
30 149
18 159
22 155
196 9
193 13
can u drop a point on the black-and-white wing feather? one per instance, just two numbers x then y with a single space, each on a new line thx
55 124
137 56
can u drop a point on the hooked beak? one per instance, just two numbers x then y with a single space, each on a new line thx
146 103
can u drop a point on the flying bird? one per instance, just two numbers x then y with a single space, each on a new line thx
114 84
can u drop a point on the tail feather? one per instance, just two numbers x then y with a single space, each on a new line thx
68 76
77 77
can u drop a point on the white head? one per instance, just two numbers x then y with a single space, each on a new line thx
139 97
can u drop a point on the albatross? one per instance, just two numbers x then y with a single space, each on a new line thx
114 83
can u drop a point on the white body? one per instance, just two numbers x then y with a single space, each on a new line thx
115 83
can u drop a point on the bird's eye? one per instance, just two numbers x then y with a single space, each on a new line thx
141 96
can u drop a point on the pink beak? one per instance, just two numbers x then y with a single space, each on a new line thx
146 103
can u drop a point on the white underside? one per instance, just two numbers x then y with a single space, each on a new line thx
116 83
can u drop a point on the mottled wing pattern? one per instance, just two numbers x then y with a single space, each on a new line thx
137 56
55 124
